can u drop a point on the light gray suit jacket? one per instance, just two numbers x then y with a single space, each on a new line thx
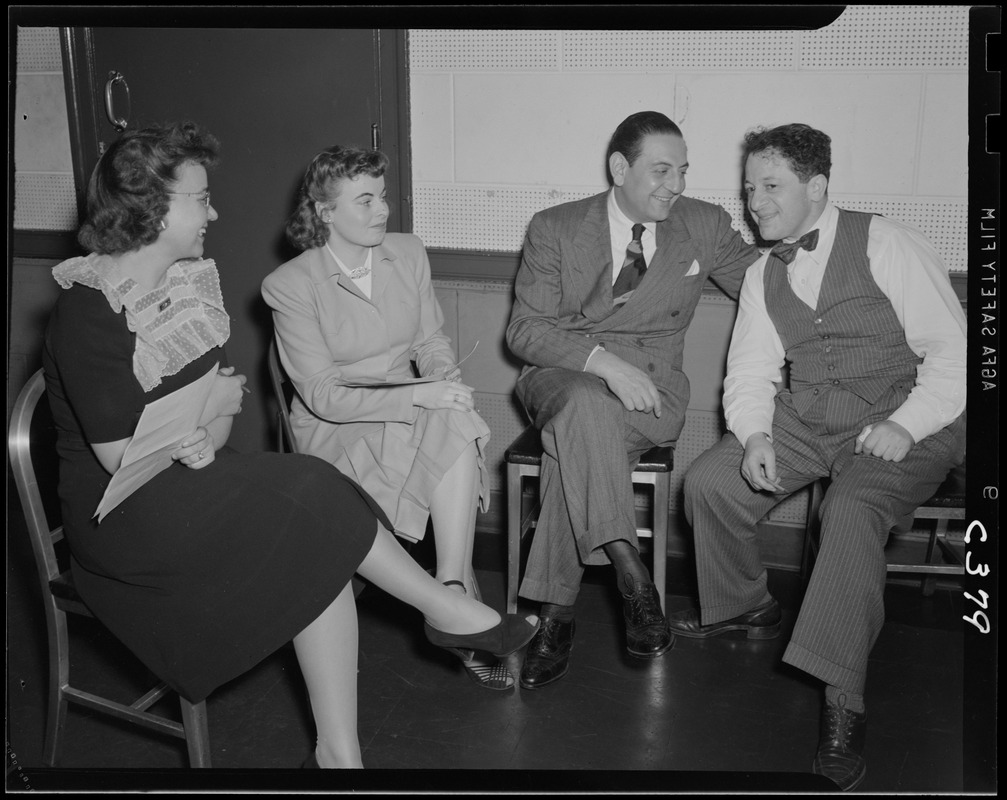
563 307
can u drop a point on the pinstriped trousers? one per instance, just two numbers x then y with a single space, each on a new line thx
585 487
843 610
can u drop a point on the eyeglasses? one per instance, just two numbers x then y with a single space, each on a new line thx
202 197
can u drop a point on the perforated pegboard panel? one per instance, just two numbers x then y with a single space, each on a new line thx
487 49
45 202
481 218
495 219
943 222
38 50
867 37
693 50
863 37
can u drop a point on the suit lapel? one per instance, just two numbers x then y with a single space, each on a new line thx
324 269
674 255
592 265
382 262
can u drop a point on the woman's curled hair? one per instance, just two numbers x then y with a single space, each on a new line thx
305 229
128 194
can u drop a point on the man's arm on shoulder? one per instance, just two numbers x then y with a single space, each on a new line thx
733 256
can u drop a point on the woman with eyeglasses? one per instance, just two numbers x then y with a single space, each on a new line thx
355 316
223 557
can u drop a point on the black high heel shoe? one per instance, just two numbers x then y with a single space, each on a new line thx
495 675
512 633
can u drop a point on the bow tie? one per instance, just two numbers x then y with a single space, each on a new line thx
787 251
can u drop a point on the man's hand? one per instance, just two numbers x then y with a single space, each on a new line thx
887 440
635 390
758 466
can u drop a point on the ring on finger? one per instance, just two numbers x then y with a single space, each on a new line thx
202 455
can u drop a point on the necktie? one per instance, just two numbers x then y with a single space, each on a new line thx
633 268
787 251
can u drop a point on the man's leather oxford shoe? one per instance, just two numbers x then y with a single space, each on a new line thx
647 634
763 622
547 658
841 746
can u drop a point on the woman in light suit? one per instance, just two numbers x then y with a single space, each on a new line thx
353 313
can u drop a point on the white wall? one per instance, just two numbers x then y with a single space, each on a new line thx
505 123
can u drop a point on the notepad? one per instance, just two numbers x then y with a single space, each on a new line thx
163 424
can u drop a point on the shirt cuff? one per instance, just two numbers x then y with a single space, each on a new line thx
745 429
596 349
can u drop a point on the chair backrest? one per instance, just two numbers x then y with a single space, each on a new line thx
283 391
19 449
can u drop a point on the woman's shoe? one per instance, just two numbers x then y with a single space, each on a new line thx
494 676
512 633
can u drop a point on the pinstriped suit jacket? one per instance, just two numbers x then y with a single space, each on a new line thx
563 294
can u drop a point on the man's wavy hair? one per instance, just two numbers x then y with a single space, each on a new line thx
127 196
628 137
305 228
808 151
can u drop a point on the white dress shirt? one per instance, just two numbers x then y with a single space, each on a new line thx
621 234
911 274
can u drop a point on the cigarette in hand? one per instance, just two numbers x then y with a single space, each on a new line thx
867 432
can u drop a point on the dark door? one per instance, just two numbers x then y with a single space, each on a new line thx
274 98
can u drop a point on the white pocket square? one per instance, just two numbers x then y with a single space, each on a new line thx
693 270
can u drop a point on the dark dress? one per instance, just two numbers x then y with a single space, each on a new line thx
202 573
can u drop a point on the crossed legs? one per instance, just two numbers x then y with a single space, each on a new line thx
585 483
327 648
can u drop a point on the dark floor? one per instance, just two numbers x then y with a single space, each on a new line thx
717 715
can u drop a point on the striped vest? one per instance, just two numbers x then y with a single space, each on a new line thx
853 340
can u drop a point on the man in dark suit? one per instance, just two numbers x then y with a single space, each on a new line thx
604 295
862 310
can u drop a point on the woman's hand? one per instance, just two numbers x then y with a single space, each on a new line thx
197 450
226 395
443 394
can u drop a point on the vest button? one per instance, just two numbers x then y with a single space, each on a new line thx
832 366
651 367
828 349
816 391
818 321
835 383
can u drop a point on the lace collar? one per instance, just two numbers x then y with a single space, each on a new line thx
174 324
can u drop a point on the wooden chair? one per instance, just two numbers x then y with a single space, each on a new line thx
948 503
34 431
283 391
524 460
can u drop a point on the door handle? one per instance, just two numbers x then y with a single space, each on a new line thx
119 123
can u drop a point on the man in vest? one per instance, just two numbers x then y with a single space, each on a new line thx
862 310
